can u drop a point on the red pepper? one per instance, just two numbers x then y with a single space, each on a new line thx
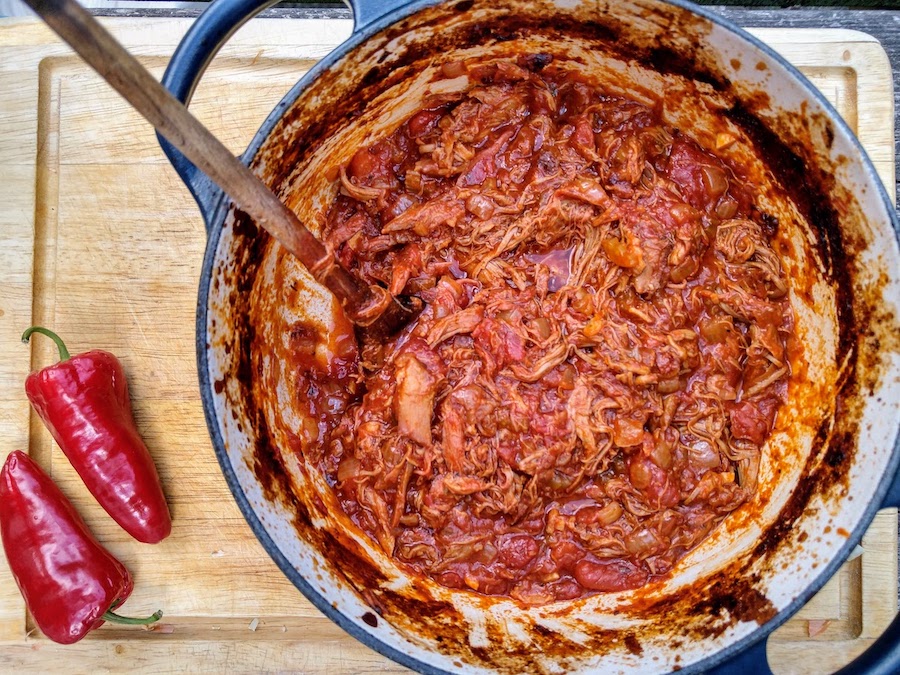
84 402
69 581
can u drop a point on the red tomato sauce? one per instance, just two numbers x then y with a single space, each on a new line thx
602 354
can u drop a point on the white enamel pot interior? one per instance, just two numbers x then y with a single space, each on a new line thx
826 466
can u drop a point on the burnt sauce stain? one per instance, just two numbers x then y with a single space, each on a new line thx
536 62
826 468
667 61
267 464
265 461
372 77
828 130
770 224
878 333
370 619
710 606
633 645
808 187
349 559
270 473
843 444
516 659
738 599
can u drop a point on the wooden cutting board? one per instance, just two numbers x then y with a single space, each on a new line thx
100 241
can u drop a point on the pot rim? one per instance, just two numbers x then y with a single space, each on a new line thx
219 210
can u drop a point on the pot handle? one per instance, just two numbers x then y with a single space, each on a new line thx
881 658
197 48
750 661
367 12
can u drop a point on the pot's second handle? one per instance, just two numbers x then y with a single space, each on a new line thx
367 12
750 661
881 658
200 44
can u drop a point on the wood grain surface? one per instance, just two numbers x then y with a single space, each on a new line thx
100 241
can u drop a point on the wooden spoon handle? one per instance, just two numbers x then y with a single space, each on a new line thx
75 25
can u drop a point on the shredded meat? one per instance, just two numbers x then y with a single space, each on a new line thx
602 354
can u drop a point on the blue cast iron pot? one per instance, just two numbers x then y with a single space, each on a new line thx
828 467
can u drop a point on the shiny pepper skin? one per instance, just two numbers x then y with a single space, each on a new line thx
84 402
67 578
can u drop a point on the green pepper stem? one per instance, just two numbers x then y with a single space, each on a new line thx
112 617
63 352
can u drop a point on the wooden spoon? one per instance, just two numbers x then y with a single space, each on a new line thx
367 306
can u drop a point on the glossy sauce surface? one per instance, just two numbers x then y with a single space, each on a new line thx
601 358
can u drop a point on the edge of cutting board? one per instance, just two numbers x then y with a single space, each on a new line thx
235 649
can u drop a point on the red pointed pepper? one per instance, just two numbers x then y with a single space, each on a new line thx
69 581
84 402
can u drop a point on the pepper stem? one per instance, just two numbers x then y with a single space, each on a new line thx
112 617
63 352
